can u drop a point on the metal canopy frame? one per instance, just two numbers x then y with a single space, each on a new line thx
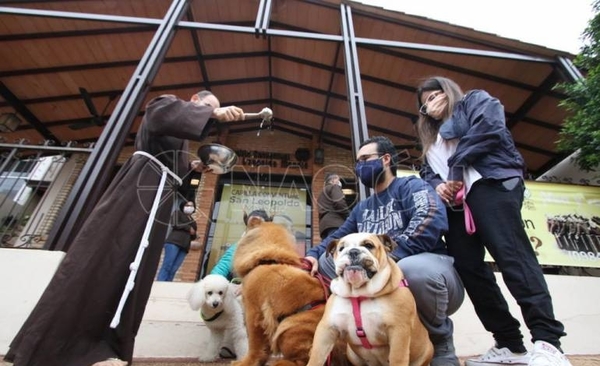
356 102
93 179
94 176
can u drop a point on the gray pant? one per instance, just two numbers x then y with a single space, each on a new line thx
434 283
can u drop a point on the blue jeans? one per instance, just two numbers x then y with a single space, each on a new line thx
172 260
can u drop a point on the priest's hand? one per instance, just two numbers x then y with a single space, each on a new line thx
228 114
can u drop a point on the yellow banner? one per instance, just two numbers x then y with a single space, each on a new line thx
286 205
562 222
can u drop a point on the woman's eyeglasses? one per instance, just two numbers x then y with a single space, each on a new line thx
430 98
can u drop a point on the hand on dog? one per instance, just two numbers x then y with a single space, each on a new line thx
314 265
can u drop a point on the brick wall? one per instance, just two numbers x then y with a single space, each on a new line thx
338 161
59 199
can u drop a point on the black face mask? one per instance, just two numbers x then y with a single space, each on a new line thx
369 172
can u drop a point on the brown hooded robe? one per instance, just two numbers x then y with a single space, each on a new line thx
69 326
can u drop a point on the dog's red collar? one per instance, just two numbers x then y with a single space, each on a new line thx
360 332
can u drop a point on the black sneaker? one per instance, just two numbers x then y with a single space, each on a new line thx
444 353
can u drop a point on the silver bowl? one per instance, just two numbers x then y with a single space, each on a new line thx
219 158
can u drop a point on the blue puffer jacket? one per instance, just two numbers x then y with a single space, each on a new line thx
485 142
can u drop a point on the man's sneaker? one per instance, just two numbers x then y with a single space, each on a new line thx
444 353
545 354
499 356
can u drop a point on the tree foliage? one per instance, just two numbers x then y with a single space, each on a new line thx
581 129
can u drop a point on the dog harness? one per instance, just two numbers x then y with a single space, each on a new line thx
324 281
360 332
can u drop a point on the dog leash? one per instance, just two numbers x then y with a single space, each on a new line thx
325 281
469 222
306 266
360 332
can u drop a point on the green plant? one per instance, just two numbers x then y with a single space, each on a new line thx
581 129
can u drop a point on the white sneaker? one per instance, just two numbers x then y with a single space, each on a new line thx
545 354
499 356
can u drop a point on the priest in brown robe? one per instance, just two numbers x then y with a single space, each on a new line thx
70 325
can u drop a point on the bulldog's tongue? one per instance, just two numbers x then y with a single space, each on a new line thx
354 275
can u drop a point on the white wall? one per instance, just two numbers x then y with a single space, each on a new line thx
170 329
24 274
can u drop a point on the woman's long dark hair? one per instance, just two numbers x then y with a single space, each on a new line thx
427 127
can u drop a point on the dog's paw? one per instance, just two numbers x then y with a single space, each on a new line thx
226 353
207 358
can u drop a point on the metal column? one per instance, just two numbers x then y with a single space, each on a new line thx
570 70
95 174
356 102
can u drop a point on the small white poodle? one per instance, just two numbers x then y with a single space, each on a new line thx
222 313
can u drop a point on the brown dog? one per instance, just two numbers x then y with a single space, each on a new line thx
283 303
391 332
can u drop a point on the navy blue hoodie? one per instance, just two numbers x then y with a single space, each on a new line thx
409 211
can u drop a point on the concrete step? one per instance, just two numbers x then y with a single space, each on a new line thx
172 331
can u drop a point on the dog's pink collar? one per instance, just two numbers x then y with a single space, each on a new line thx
360 332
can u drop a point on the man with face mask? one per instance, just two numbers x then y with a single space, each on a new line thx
332 206
411 213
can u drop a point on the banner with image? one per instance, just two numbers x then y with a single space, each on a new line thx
287 206
562 222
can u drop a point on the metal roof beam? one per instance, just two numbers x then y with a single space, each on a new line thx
453 50
569 69
20 108
198 52
329 90
94 176
356 103
80 16
263 18
75 33
532 100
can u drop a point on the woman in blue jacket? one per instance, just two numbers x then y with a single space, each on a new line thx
467 148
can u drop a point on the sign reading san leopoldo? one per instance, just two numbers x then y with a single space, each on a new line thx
284 204
562 222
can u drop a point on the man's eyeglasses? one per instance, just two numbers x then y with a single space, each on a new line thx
431 97
366 157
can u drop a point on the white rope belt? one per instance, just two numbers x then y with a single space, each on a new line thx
162 166
133 267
